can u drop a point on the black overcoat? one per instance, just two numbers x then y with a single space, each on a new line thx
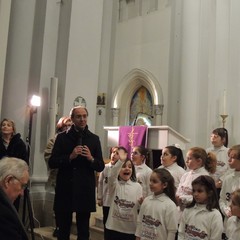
16 148
76 181
11 226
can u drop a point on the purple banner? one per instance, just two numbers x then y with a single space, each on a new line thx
131 136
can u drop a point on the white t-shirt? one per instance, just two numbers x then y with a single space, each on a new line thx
157 218
143 173
230 183
124 207
233 228
198 223
176 171
222 161
103 192
184 190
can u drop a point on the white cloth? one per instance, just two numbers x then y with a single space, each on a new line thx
103 191
184 190
198 223
124 207
176 171
230 184
143 173
222 161
233 228
157 218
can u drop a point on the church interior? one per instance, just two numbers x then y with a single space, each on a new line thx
167 64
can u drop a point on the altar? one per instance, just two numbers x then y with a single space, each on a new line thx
158 137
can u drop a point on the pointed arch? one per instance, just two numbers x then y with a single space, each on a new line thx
129 84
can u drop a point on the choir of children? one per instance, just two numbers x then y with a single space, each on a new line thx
137 215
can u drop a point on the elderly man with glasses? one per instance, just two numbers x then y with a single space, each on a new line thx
14 176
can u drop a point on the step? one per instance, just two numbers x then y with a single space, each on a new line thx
45 233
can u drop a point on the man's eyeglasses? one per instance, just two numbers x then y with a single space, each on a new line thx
23 185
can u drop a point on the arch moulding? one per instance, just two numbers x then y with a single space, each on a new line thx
129 84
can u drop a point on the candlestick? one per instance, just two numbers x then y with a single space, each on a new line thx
224 102
224 116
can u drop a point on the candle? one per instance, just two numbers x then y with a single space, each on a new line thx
224 102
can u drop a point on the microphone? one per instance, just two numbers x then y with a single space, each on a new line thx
135 119
80 135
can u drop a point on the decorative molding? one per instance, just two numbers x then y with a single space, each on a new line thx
158 109
115 112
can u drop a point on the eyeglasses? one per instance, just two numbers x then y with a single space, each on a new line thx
23 185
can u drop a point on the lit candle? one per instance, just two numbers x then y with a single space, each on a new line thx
224 102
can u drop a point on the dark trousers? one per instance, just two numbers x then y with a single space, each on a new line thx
64 220
105 216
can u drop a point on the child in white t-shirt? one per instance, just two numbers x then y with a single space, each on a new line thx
140 156
172 160
103 196
231 182
219 140
199 163
202 218
126 193
157 216
233 223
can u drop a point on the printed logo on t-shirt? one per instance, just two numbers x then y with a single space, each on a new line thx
149 220
195 232
123 210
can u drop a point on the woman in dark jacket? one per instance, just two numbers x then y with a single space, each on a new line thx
11 145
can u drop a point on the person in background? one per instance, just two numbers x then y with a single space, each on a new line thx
63 124
125 194
172 160
103 196
14 176
12 145
231 182
77 154
157 216
233 223
219 140
139 157
199 162
202 218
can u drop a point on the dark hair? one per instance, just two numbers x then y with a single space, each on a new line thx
208 183
144 152
165 177
118 148
175 151
209 160
223 134
133 176
74 108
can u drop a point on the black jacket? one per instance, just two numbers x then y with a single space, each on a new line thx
16 148
11 227
76 182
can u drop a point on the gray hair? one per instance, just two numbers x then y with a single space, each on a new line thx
12 166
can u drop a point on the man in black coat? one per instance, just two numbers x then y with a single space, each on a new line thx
14 177
77 154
